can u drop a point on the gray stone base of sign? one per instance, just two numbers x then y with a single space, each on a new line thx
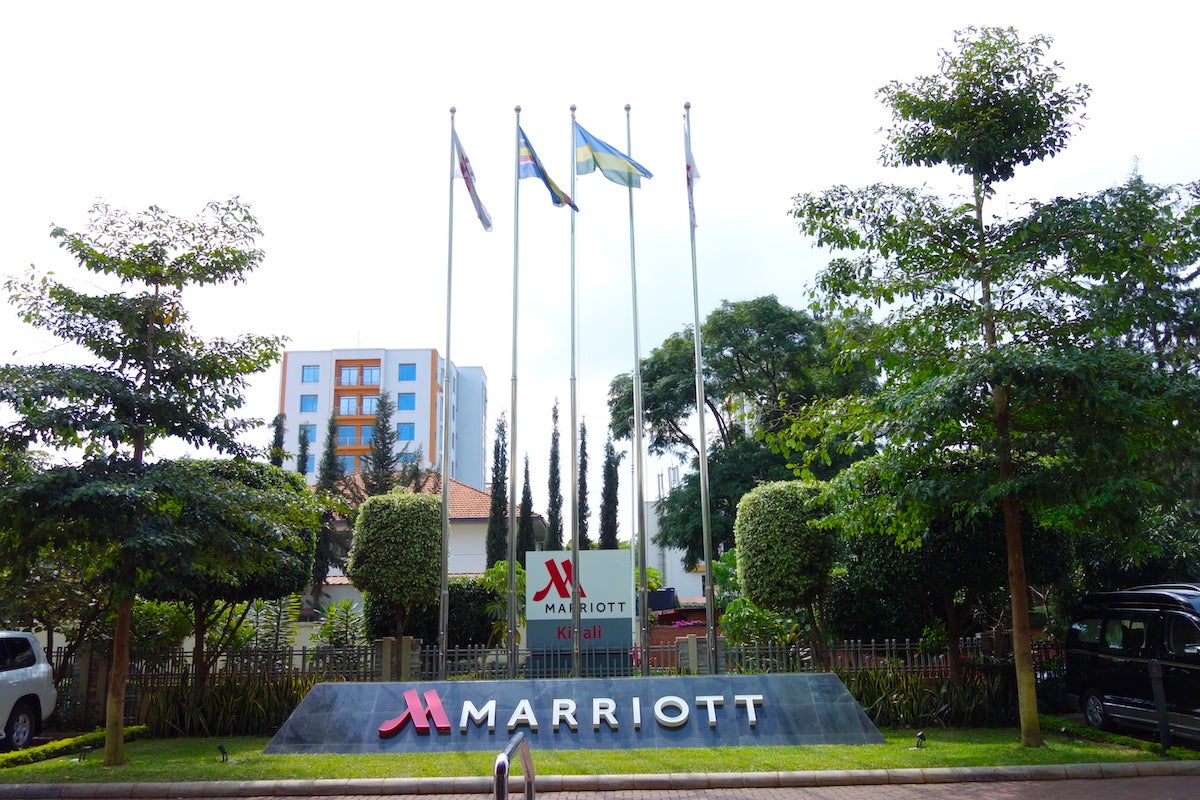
696 711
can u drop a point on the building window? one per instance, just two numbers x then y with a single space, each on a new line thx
368 434
310 373
406 431
370 376
308 402
346 435
406 402
349 376
370 404
406 457
348 405
310 465
408 372
308 433
347 464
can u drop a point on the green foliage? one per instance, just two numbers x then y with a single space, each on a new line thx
230 705
581 519
68 746
993 104
272 623
525 537
495 581
497 529
471 603
609 497
784 560
380 464
396 554
276 453
894 698
554 522
341 625
158 629
743 622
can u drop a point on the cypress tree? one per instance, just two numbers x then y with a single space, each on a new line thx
608 497
584 510
525 539
554 522
497 530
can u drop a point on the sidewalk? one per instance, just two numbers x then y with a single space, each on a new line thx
1153 779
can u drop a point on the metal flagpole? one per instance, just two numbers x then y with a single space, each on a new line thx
710 612
576 627
444 597
512 425
638 498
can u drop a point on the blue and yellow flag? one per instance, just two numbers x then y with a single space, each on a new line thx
530 166
591 153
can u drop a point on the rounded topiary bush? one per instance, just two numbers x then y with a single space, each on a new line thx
784 560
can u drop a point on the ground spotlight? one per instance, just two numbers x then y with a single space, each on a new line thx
224 753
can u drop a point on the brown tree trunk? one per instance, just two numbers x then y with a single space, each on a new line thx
114 714
953 633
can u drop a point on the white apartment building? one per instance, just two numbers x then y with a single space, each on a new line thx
347 383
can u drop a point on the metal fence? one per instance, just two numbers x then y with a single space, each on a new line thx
83 682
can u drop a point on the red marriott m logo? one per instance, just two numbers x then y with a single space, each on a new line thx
559 581
419 714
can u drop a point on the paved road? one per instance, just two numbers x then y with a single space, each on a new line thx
1145 781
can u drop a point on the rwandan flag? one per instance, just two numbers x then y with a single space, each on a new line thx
591 153
530 166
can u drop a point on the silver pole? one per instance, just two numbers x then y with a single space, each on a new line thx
576 625
444 596
511 637
710 604
638 494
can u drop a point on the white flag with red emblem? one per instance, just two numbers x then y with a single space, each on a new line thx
468 176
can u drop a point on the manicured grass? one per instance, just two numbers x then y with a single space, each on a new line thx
198 759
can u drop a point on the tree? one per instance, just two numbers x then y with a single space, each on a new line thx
784 559
397 552
554 522
988 345
497 529
244 531
525 537
333 542
302 454
581 518
732 471
276 454
608 497
151 377
380 464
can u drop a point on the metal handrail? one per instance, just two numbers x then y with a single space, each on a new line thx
519 745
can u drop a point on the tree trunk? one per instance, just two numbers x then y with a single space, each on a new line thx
1031 733
953 633
114 714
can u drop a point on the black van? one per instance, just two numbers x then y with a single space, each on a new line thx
1113 638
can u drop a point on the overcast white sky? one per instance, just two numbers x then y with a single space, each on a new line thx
332 121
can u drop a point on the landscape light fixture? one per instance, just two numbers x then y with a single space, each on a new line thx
224 753
920 739
83 751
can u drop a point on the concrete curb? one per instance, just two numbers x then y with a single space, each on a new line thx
593 783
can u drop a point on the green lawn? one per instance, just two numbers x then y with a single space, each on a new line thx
198 759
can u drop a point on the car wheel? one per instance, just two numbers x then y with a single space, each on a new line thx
18 733
1094 713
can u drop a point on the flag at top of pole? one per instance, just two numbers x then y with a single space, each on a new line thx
591 153
468 176
530 166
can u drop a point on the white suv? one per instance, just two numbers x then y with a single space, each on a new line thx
27 694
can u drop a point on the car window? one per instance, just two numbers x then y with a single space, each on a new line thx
1084 631
16 653
1114 634
1183 636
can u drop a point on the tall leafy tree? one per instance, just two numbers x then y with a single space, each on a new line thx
554 520
150 378
381 463
276 454
497 529
302 454
525 537
608 497
988 345
583 511
397 553
333 542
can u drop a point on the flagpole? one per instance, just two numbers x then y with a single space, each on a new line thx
710 608
444 596
576 626
638 494
512 429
